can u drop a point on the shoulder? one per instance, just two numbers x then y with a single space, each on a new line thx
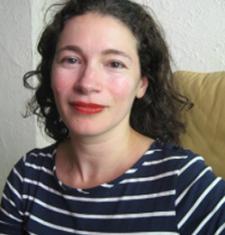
175 157
34 163
37 156
200 195
34 169
45 152
188 163
186 169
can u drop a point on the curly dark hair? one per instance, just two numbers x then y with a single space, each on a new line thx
156 114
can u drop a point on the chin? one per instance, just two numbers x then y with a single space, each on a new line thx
86 132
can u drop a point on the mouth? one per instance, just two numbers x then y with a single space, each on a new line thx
87 108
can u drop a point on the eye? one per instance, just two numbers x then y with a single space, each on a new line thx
117 64
70 60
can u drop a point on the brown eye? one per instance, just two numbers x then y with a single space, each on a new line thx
117 65
71 60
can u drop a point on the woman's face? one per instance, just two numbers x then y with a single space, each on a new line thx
96 75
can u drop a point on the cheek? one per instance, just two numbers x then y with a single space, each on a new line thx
122 89
58 84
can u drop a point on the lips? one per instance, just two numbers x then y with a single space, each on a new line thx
87 108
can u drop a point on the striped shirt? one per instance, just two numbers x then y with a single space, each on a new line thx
168 191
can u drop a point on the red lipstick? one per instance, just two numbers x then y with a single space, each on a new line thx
87 108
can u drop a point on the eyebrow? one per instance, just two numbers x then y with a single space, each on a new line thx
69 48
116 52
105 52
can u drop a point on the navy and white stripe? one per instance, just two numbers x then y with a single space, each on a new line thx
168 191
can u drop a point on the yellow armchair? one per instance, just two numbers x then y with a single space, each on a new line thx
205 122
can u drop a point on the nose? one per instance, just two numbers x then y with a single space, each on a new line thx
89 80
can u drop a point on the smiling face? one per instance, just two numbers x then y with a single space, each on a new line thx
96 75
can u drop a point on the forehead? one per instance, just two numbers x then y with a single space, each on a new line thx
97 29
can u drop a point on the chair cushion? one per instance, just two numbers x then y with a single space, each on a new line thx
205 122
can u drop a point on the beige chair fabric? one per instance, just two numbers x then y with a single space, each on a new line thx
205 122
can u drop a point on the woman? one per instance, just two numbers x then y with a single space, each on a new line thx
106 98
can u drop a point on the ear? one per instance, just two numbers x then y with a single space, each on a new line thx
142 87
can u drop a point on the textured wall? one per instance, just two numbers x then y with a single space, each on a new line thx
195 31
16 134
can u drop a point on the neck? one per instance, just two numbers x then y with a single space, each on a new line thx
92 161
101 151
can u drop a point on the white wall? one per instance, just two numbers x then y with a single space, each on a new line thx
16 134
195 31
